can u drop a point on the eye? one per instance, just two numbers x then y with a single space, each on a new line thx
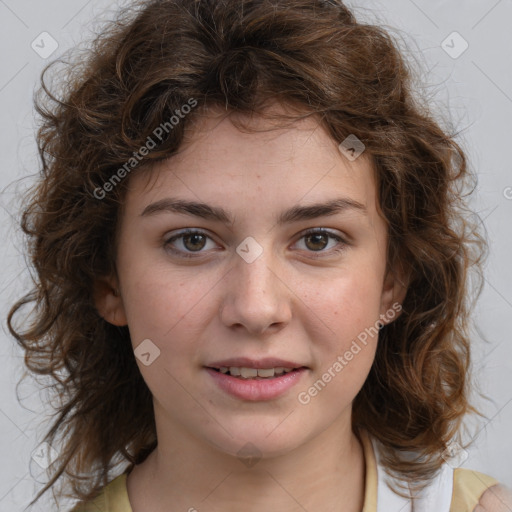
317 239
192 240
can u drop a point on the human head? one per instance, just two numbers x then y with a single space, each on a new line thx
241 57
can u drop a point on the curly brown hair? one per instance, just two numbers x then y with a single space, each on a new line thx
242 56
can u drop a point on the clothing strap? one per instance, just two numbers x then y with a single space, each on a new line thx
437 496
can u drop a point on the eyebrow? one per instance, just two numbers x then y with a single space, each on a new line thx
216 213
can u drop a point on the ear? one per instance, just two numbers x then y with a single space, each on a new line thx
108 301
394 290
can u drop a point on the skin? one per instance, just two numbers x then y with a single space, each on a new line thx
286 303
497 498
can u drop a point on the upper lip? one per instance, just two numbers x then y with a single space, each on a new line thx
246 362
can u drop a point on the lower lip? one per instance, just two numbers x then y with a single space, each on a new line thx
256 390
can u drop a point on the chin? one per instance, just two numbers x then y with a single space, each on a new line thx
260 441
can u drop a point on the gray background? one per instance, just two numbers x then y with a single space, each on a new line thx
472 91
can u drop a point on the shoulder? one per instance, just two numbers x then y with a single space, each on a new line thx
112 498
477 492
497 498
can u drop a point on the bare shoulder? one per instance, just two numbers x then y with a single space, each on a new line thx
496 498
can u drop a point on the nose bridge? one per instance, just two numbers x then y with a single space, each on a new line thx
256 297
254 268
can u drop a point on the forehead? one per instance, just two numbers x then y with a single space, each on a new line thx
292 161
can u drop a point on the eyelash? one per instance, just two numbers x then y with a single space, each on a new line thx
313 231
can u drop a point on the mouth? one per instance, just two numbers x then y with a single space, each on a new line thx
246 373
255 368
257 383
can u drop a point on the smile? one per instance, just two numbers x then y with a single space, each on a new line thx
253 373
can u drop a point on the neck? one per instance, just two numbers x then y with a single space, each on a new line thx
325 473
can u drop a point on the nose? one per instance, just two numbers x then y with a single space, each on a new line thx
256 296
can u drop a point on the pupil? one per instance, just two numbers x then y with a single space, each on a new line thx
195 237
317 236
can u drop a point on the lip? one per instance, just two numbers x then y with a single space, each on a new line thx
246 362
253 389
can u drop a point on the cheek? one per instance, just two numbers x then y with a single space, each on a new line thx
349 303
168 309
349 306
347 353
167 313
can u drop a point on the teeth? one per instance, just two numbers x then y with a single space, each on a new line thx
269 372
250 373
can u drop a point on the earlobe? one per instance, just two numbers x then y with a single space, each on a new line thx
109 302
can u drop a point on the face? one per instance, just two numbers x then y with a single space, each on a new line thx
264 275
